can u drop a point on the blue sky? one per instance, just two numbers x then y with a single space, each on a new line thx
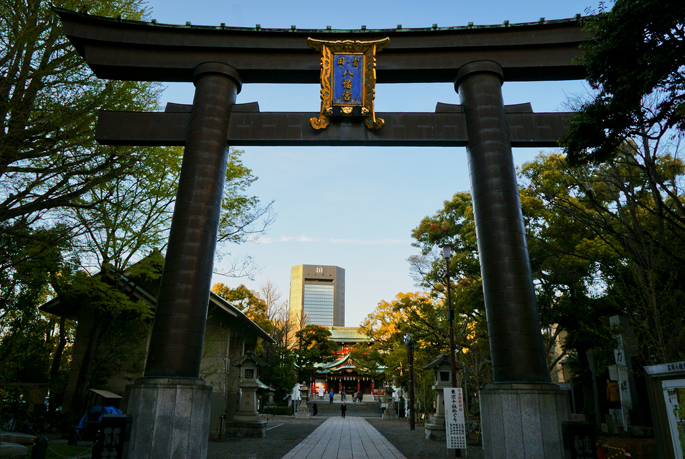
355 207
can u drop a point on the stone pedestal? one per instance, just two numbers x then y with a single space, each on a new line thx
390 414
441 366
523 421
170 418
247 422
255 429
435 432
302 411
435 429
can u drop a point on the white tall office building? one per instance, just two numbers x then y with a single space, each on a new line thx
318 292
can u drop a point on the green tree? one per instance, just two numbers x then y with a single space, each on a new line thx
454 225
48 105
114 202
560 292
111 307
632 210
635 60
424 317
49 100
313 346
247 301
31 343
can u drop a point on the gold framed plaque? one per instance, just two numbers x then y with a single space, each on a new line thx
348 80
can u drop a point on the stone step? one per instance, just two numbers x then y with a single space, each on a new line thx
371 409
17 437
12 450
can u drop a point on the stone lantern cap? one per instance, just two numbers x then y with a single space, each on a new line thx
442 366
441 360
250 357
251 364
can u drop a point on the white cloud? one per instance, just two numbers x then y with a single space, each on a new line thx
305 238
284 238
370 241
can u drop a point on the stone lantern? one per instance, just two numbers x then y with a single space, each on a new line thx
441 366
247 421
302 411
389 414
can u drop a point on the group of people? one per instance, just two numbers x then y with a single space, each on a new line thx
358 396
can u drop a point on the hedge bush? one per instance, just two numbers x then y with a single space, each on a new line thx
280 410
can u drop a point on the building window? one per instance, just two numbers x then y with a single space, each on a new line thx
319 303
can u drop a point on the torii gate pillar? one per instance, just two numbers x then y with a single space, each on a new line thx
170 404
521 411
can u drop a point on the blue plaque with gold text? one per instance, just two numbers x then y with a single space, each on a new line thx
348 80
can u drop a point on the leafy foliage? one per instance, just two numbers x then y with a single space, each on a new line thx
313 346
48 103
247 301
622 223
636 54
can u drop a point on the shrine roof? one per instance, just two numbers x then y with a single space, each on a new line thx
343 363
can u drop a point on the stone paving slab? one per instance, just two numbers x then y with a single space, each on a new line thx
345 438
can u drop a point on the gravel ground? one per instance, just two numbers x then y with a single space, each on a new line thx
286 432
413 444
283 434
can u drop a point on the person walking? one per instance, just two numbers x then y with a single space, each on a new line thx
343 409
343 395
315 409
330 396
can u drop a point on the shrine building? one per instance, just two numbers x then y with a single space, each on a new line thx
344 373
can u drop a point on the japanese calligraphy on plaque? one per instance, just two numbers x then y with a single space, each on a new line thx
455 427
348 80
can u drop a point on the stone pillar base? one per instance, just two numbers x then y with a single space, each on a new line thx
523 421
435 432
246 429
170 418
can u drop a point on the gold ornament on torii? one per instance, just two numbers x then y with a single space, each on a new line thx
348 80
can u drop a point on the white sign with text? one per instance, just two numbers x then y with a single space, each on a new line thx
454 418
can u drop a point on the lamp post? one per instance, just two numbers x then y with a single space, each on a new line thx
447 252
410 358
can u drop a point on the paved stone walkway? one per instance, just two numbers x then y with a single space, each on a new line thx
344 438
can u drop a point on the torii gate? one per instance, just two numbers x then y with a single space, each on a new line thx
170 404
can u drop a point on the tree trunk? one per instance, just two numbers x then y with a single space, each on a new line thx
56 361
100 326
587 382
